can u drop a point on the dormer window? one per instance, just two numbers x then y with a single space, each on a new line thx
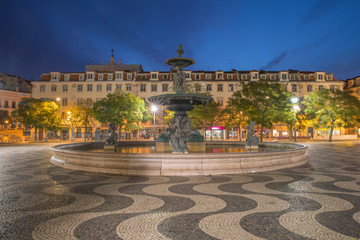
66 77
110 77
129 77
197 76
230 76
329 77
90 76
306 77
165 76
272 77
255 76
187 75
153 75
208 77
263 77
119 76
321 77
292 77
100 77
54 76
283 76
219 75
81 77
244 76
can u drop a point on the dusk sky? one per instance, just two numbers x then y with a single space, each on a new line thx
63 36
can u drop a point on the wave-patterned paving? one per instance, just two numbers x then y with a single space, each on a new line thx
319 200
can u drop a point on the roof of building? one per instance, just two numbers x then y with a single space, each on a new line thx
110 68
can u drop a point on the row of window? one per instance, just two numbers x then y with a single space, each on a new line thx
6 104
309 88
120 76
128 87
91 76
165 87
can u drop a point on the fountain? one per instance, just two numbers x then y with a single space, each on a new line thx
180 132
179 138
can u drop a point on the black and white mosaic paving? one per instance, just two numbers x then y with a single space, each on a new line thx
320 200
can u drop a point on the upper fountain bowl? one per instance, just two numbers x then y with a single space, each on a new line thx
180 62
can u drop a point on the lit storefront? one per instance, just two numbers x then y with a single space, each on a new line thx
217 133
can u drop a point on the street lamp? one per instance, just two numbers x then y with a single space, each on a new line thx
6 122
296 108
154 109
72 126
59 100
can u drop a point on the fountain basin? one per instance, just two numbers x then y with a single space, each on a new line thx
170 164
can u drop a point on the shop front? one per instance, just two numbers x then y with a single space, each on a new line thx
215 133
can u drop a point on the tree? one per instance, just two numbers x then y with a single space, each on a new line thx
169 115
38 114
82 116
123 109
233 116
205 116
332 108
263 102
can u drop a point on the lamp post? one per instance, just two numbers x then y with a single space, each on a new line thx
296 108
59 100
154 108
6 122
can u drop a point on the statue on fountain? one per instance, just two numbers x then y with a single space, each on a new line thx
251 139
178 133
111 139
179 81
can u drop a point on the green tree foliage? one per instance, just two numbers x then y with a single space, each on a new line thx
233 116
169 115
38 114
123 109
332 108
205 116
263 102
82 116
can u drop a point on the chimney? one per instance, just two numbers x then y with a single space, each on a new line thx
120 61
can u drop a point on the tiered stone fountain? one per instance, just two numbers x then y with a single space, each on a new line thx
180 135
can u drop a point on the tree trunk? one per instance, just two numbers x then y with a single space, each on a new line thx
119 133
331 131
291 132
211 134
261 133
239 133
85 134
36 133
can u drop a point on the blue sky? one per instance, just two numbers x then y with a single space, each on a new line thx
48 36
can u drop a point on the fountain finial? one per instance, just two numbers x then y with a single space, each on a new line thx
180 51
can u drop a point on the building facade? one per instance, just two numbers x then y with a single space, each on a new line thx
12 89
353 84
98 80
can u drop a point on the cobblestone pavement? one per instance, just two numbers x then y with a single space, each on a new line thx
320 200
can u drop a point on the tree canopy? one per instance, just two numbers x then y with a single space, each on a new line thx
332 108
205 116
233 116
123 109
263 102
38 114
